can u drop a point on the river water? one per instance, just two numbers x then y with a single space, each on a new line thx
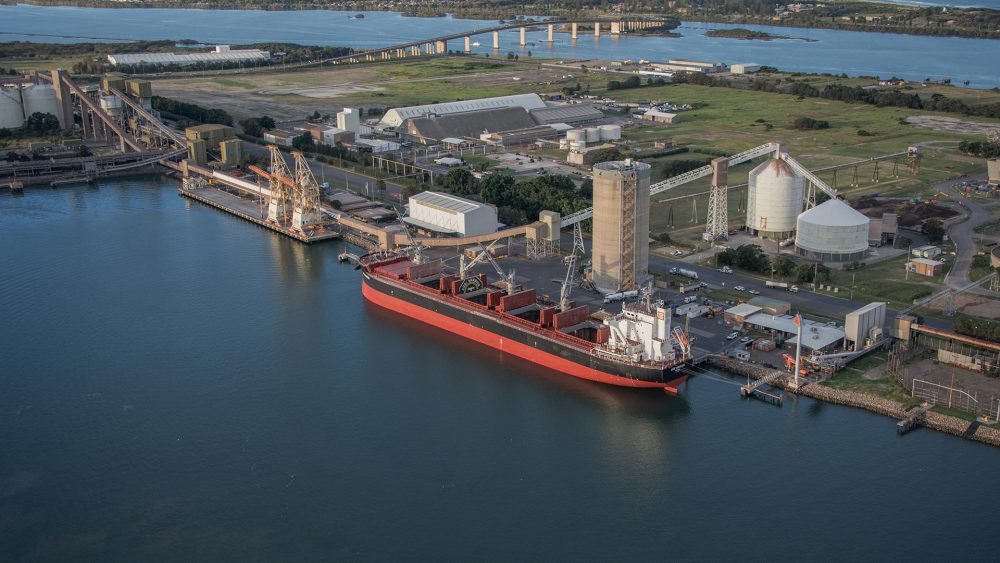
855 53
178 384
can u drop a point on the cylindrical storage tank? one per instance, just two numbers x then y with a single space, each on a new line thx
774 199
621 240
576 135
995 257
578 144
593 134
832 231
40 98
611 132
10 109
112 105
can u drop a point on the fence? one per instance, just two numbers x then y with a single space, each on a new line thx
953 397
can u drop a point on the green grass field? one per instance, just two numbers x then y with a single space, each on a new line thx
885 386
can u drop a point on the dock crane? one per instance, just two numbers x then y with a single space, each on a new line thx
416 250
464 267
570 261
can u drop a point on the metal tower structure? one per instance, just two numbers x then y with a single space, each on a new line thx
305 199
717 226
278 182
913 159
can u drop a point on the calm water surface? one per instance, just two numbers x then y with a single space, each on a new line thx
178 384
855 53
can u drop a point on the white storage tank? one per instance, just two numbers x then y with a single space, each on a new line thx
40 98
774 199
832 231
10 108
576 135
593 134
112 105
611 132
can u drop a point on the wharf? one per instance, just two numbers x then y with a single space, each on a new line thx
251 211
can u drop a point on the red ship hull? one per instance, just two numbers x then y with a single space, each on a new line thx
507 345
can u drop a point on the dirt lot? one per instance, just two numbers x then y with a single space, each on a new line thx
953 124
909 214
290 95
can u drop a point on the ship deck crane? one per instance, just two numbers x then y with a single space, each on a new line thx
416 248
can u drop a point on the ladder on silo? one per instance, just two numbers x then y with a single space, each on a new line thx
629 187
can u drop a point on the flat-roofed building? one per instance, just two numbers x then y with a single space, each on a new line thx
445 214
925 267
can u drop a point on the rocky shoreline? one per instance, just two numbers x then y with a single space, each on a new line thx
878 405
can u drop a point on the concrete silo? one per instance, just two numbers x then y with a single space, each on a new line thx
832 231
11 116
40 98
621 225
774 199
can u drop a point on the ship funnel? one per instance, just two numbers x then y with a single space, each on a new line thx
662 330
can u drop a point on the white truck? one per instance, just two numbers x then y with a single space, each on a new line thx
620 296
781 285
683 272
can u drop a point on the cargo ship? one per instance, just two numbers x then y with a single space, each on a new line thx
634 348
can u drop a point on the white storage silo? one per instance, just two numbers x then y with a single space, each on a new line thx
774 199
576 135
10 108
593 134
40 98
611 132
832 231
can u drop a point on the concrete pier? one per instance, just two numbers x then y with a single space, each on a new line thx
523 37
496 40
597 29
468 44
551 29
573 30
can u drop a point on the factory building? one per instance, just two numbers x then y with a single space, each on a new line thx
993 170
621 225
221 54
279 137
660 117
774 200
864 327
832 231
883 230
445 214
571 114
816 337
395 117
213 135
231 152
433 128
349 119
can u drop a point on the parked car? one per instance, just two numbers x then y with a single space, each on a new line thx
740 288
754 292
732 336
746 340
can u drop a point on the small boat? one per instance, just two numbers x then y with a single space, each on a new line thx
475 43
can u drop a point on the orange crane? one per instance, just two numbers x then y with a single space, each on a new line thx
790 365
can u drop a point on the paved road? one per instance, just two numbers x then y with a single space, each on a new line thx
961 234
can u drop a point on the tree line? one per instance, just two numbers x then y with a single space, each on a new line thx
192 112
